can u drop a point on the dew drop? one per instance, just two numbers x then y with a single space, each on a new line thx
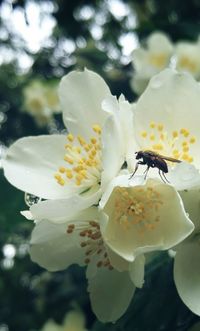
31 199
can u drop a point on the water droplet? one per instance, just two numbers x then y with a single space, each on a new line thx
31 199
156 82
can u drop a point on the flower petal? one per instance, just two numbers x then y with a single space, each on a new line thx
184 176
172 99
136 270
121 181
117 261
187 275
113 149
30 164
154 58
81 95
110 294
191 201
60 211
54 249
187 58
144 218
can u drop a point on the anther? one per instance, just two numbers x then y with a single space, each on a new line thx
70 137
160 127
83 244
144 134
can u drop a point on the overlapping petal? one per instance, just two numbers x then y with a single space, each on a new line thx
187 274
110 294
30 165
81 95
187 58
144 218
52 248
191 201
53 168
150 60
165 117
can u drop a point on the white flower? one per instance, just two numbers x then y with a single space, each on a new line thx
74 321
143 216
187 259
150 60
53 167
60 239
166 119
41 101
187 56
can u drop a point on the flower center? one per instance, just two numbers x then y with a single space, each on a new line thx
187 63
92 242
83 161
138 208
158 60
176 144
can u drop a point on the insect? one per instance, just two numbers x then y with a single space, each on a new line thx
154 160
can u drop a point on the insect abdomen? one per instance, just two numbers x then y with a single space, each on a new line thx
161 164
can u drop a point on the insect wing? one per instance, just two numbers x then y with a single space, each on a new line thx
170 159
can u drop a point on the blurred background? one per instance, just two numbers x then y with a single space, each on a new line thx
40 41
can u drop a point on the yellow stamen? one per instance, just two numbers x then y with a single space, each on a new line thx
81 140
62 170
160 127
152 137
175 134
96 128
192 140
93 140
144 134
70 137
152 125
68 159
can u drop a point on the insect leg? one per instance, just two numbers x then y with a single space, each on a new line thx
136 168
146 172
165 177
160 174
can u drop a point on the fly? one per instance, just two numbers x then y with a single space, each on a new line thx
154 160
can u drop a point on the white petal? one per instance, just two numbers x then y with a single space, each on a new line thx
187 275
113 149
117 261
136 269
160 42
172 99
187 58
27 214
184 176
159 221
81 95
138 83
121 181
126 113
110 294
30 165
191 201
147 61
54 249
59 211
